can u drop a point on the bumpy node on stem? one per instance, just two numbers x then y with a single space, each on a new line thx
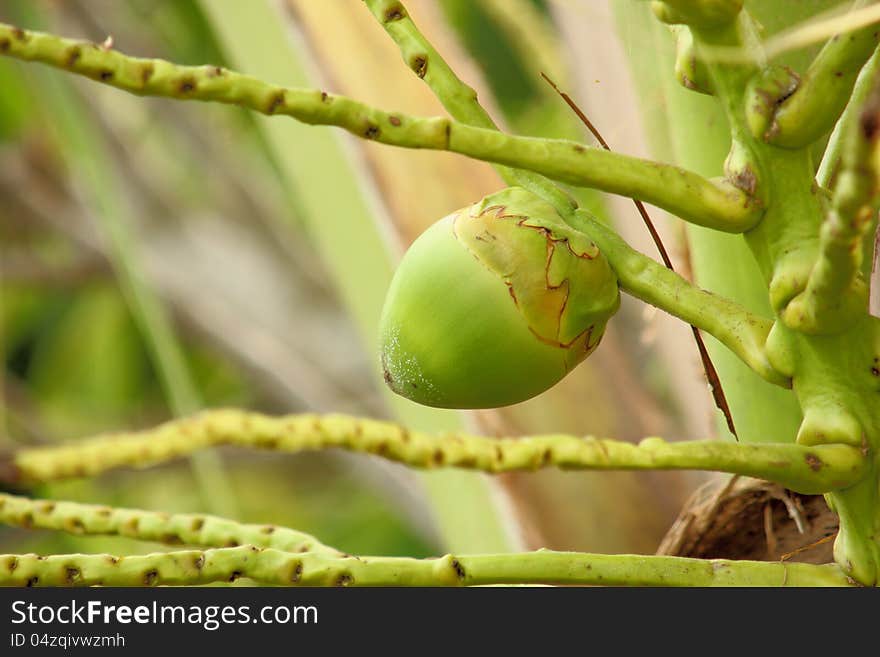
690 70
765 92
826 88
700 13
494 304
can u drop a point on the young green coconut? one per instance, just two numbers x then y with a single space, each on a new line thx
494 304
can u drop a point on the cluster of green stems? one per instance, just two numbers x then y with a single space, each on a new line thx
813 245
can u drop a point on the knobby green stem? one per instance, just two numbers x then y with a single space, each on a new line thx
836 294
715 204
275 567
457 97
809 470
171 528
812 110
741 331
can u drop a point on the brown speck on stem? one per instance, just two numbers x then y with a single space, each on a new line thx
394 120
73 56
19 34
186 85
268 529
12 564
197 524
71 574
459 570
297 572
106 75
4 45
438 457
419 65
814 462
344 579
199 562
276 101
33 581
394 13
371 131
150 577
746 180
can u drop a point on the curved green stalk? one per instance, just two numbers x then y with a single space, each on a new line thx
715 204
742 332
171 528
268 566
812 110
811 470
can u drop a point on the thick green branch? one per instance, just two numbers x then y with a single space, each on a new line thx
715 204
275 567
735 327
836 293
817 469
171 528
825 89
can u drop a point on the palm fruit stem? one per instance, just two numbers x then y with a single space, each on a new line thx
157 526
715 204
270 566
809 470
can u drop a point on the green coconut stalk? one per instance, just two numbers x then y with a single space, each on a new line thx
714 203
274 567
171 528
808 469
494 304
